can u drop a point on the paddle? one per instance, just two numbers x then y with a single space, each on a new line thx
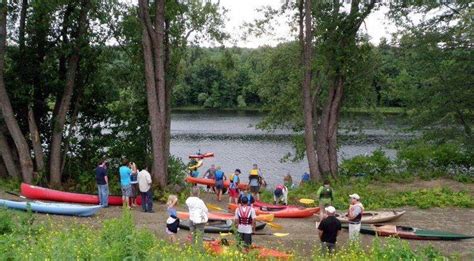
259 234
274 225
306 201
214 207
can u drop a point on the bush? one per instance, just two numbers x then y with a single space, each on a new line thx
376 164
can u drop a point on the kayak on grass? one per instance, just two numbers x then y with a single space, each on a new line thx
218 226
211 182
226 216
409 232
202 156
288 212
40 193
220 247
52 208
371 217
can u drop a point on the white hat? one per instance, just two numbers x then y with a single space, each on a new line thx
354 196
330 209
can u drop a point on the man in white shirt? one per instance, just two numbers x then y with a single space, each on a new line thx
245 216
197 215
144 185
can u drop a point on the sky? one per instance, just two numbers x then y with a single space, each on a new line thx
241 11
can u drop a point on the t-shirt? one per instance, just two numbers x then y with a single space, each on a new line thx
194 173
197 210
219 175
254 181
305 177
125 175
144 180
329 226
210 173
246 229
249 196
172 212
100 174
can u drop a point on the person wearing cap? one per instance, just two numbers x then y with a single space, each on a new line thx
280 194
329 228
245 218
197 216
354 215
326 196
234 186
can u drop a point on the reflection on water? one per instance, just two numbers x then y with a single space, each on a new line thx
236 142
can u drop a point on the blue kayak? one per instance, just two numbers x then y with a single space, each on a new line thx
52 208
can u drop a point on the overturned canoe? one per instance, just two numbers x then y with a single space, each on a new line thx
372 217
410 232
218 226
218 247
288 212
35 192
226 216
52 208
211 182
202 156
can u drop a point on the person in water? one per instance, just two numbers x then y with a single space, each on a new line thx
219 178
210 174
172 223
280 195
245 218
329 228
354 215
325 197
255 179
234 187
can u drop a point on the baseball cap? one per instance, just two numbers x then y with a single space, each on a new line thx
330 209
354 196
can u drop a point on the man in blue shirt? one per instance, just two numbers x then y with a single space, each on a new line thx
219 177
125 182
102 183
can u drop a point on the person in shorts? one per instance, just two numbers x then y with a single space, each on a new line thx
245 218
125 182
254 181
234 186
172 223
134 184
219 177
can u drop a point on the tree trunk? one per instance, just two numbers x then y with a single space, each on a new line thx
158 103
307 97
7 157
36 141
26 163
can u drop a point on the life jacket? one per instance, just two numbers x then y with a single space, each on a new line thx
232 183
219 175
280 187
250 198
245 217
358 218
254 172
326 193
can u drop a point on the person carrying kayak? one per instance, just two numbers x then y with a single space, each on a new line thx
219 178
329 228
209 174
280 194
245 218
234 186
255 177
354 215
325 197
246 194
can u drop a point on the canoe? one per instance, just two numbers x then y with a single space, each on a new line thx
371 217
52 208
211 182
226 216
410 232
35 192
218 226
216 247
197 165
288 212
202 156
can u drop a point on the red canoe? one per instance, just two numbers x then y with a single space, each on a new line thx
288 212
211 182
34 192
202 156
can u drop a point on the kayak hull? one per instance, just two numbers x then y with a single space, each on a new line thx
40 193
215 247
218 226
406 232
276 207
225 216
289 212
52 208
211 182
372 217
202 156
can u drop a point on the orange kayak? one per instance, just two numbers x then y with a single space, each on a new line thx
202 156
226 216
211 182
215 247
288 212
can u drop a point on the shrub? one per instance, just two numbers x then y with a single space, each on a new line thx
376 164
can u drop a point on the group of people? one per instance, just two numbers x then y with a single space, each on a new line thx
132 183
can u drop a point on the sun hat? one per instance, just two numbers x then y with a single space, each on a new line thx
330 209
355 196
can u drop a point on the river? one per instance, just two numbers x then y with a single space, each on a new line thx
237 143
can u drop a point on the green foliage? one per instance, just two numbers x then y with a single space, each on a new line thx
375 164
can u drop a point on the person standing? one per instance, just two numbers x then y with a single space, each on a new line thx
354 215
234 187
280 194
326 197
144 185
305 178
209 174
126 187
254 181
329 228
219 178
245 218
246 194
102 183
134 184
197 216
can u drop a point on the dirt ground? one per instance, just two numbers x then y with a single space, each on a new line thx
302 236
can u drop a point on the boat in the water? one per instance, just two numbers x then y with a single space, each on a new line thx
219 226
226 216
51 208
410 232
279 212
220 247
40 193
211 182
202 156
197 165
372 217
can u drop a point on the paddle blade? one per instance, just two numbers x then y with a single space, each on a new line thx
306 201
214 207
281 234
224 234
274 225
265 217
